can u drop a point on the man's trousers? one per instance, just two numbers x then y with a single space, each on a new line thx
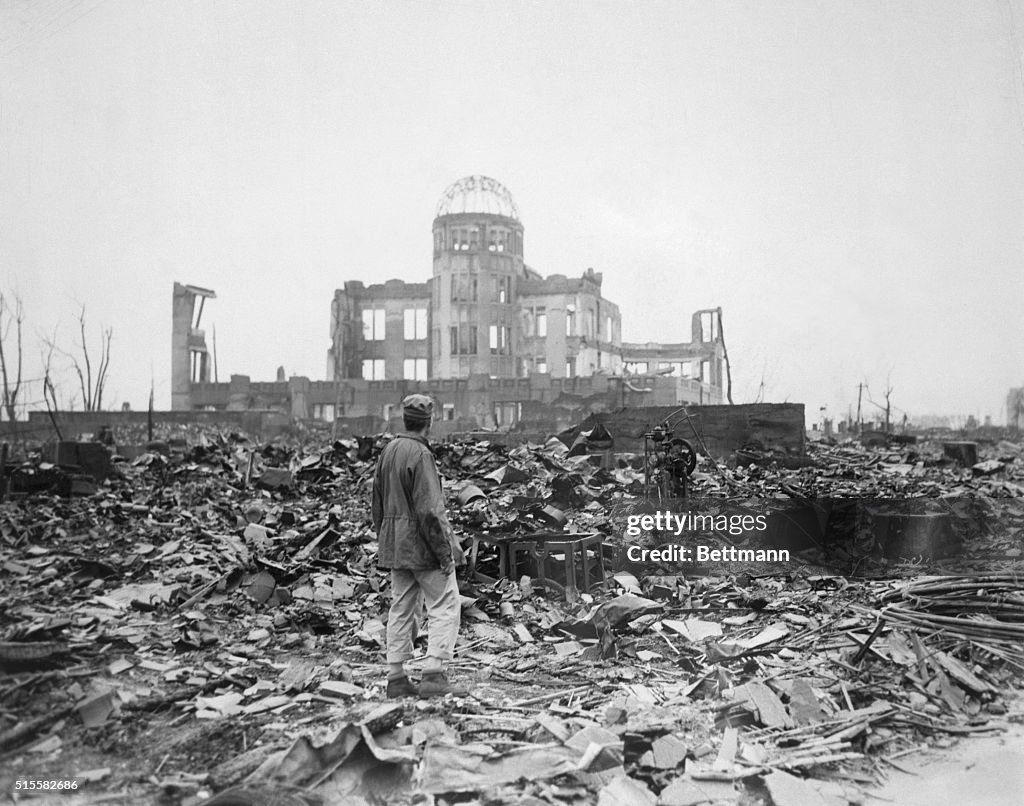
410 590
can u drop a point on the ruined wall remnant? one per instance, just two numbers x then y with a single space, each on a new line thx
698 363
773 427
75 424
1015 408
190 358
504 403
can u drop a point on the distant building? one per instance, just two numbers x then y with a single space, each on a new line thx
1015 408
482 319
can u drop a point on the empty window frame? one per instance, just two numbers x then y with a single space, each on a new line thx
570 323
570 369
499 339
540 365
496 239
200 367
463 340
709 326
448 411
415 324
373 369
705 372
637 367
323 411
609 335
460 240
687 369
540 320
503 290
414 369
507 414
373 324
464 288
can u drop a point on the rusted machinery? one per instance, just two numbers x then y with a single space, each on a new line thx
668 462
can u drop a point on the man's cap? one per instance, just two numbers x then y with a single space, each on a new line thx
418 407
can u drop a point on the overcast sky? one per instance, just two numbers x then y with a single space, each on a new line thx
845 179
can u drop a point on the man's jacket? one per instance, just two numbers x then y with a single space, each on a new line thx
412 529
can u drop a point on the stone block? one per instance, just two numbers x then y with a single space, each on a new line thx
90 458
966 453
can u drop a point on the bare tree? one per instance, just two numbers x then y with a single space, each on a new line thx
91 380
10 362
887 408
92 389
49 392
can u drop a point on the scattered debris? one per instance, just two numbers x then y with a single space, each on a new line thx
211 611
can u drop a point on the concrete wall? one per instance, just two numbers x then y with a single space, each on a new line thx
473 398
75 423
722 430
777 427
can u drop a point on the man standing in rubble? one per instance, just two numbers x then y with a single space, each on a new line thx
417 544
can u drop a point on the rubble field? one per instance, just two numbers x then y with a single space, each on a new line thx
205 625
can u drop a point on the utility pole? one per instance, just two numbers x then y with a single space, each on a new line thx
725 354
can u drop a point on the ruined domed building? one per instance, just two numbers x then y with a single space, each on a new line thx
485 335
482 312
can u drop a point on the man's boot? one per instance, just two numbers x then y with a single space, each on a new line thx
401 687
436 684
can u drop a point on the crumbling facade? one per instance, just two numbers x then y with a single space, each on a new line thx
190 358
700 359
484 311
485 334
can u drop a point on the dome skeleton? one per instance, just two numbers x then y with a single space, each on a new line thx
477 194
